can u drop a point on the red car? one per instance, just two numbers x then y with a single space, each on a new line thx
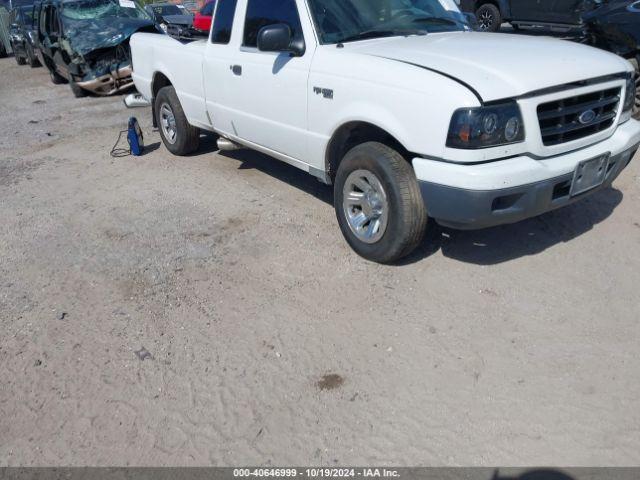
202 19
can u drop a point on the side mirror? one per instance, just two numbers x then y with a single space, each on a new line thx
277 38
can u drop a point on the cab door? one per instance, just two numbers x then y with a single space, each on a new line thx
219 54
50 39
568 11
264 100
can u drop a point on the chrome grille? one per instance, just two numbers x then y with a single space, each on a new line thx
569 119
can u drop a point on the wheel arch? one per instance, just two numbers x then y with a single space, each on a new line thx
353 133
158 80
503 6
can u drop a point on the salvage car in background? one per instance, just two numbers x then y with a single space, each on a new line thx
23 37
202 20
5 44
86 42
562 15
169 14
612 25
615 26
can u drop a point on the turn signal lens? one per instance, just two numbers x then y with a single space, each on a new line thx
629 98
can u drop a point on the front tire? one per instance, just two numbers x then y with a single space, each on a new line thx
56 78
489 18
636 106
77 90
32 60
180 137
378 203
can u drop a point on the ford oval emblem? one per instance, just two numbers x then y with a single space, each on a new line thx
587 117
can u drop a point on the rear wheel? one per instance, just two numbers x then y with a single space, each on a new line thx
20 60
180 137
378 203
489 18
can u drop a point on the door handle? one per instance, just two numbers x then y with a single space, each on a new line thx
236 69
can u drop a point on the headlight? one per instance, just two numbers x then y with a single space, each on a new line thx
629 98
487 126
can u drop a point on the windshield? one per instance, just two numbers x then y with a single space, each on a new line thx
349 20
94 9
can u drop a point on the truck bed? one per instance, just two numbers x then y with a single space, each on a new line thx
183 60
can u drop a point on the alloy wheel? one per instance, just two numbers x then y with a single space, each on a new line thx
485 20
365 206
168 123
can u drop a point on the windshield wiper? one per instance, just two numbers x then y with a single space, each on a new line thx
445 20
380 34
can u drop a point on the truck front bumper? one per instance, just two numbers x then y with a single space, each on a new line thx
477 196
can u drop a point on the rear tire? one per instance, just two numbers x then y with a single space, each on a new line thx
489 17
20 60
180 137
378 203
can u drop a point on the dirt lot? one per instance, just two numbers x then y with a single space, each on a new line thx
270 342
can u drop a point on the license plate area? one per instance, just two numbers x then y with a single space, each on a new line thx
589 174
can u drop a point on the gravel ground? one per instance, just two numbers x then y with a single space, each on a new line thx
206 310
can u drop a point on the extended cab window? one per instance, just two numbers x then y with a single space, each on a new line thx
261 13
223 21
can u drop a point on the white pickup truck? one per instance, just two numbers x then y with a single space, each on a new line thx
399 105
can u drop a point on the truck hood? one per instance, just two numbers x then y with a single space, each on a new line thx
497 65
94 34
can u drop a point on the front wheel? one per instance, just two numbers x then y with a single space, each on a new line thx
180 137
19 60
636 105
77 90
378 203
32 60
489 17
56 78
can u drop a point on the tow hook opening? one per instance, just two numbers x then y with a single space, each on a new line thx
562 189
505 202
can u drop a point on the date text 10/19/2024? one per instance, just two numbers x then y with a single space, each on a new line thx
316 472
